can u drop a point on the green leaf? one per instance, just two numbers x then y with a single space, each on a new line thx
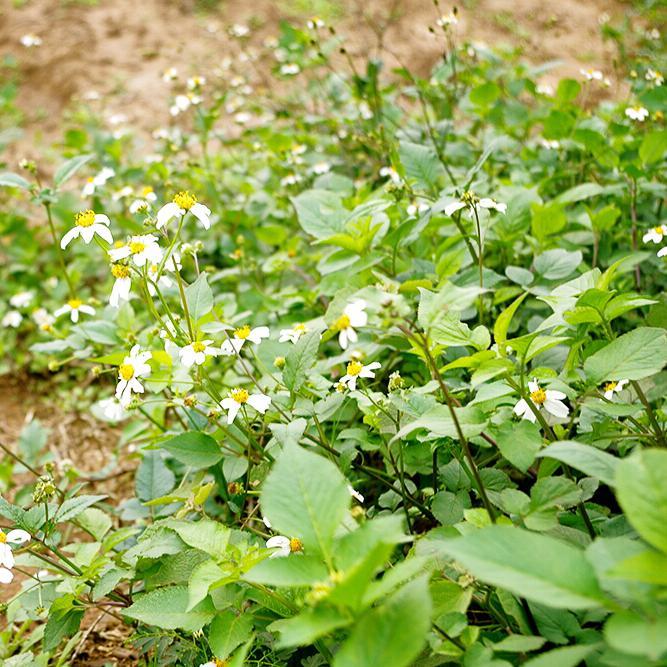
566 656
579 193
547 219
448 330
320 213
633 356
557 264
421 163
631 633
642 494
11 180
69 168
153 478
519 443
485 94
199 298
654 147
585 458
166 608
439 422
537 567
194 449
207 535
504 320
308 626
519 644
228 631
391 634
305 496
293 571
300 359
72 507
567 90
64 620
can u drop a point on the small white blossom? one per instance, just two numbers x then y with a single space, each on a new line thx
16 537
179 206
391 174
654 77
234 344
12 319
43 319
74 307
637 113
86 225
356 370
143 249
97 181
292 334
655 234
321 168
614 387
289 69
354 316
592 74
113 410
21 299
548 399
170 74
417 208
196 352
31 40
122 285
240 397
470 201
283 546
133 368
355 494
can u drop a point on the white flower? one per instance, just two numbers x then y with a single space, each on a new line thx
179 206
181 104
234 344
290 179
355 370
354 316
86 225
391 173
95 182
662 252
321 168
292 334
611 388
196 353
134 366
43 319
12 319
170 74
417 208
283 546
239 30
142 249
355 494
315 23
21 299
470 201
31 40
655 77
548 399
550 144
16 536
196 82
655 234
545 89
239 397
74 307
447 19
164 281
591 74
113 410
122 285
125 191
637 113
289 69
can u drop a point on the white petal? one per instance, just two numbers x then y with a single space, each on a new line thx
342 339
74 315
87 233
555 395
260 402
203 214
18 536
521 407
88 310
533 386
104 232
556 408
187 356
71 234
258 333
6 556
453 207
102 219
6 576
167 213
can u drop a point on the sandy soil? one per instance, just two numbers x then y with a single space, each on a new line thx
119 48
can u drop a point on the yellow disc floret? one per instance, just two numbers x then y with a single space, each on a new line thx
85 218
240 395
295 545
136 247
120 271
354 368
242 332
610 386
343 322
185 200
538 396
74 303
3 538
300 328
198 346
126 371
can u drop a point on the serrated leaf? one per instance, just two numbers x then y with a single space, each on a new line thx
194 449
227 631
72 507
199 298
585 458
300 359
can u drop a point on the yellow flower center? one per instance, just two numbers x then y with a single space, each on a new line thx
74 303
538 396
240 395
146 191
300 328
469 197
658 230
220 663
185 200
242 332
120 271
85 218
610 386
295 545
354 368
126 371
3 538
136 247
198 346
343 322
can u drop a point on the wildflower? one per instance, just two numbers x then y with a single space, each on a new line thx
591 74
31 40
637 113
216 662
654 77
290 179
196 82
662 252
143 249
315 23
239 30
417 208
548 399
239 397
354 316
12 319
355 370
95 182
289 69
447 20
122 285
355 494
395 381
545 89
284 546
134 366
613 387
74 307
471 201
550 144
164 280
292 334
170 74
655 234
144 202
113 410
321 168
43 319
16 536
122 193
197 351
391 174
179 206
234 344
21 299
86 225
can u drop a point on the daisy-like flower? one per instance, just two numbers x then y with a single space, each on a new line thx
321 168
74 307
133 368
417 208
86 225
471 201
655 234
143 204
654 77
179 206
239 30
545 89
591 74
170 74
546 399
354 316
289 69
613 387
240 397
17 537
447 20
233 345
196 82
122 285
637 113
662 252
164 282
142 249
113 410
284 546
550 144
97 181
21 299
196 352
12 319
293 334
31 40
216 662
391 174
356 370
43 319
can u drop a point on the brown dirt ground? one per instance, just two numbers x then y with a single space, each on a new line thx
119 48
